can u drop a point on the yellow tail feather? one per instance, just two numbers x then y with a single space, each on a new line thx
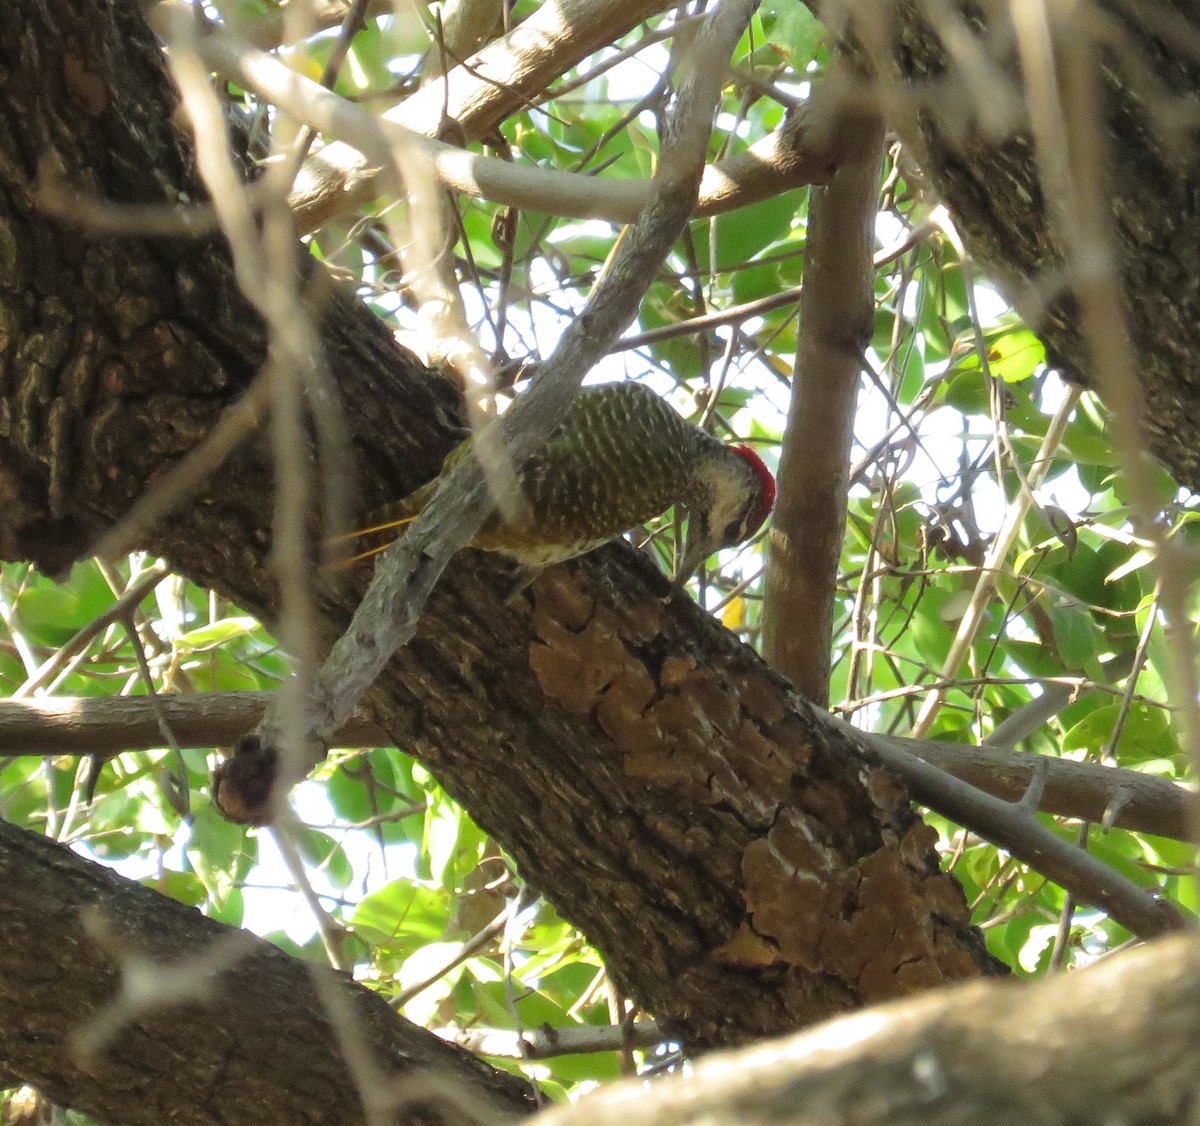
358 533
387 526
341 564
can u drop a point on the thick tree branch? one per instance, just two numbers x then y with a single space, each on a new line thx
255 1035
1117 1042
108 725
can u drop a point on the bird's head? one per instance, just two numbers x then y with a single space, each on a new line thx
732 493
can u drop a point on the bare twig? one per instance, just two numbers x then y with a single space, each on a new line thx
333 934
998 551
405 574
78 644
796 158
1015 828
175 784
108 725
103 725
760 305
547 1043
480 940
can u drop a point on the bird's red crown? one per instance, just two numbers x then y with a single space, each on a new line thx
765 480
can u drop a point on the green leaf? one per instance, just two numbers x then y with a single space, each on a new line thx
401 913
741 234
322 851
1141 558
453 843
183 886
968 393
1146 733
1075 635
218 632
1013 354
214 847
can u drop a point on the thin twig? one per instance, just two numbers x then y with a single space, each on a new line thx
548 1043
1012 827
567 194
477 942
78 644
405 574
998 550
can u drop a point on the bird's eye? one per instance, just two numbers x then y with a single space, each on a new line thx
732 533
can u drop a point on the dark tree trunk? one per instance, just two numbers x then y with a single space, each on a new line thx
252 1043
742 868
1149 80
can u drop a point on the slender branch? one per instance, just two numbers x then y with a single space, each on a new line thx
1082 790
735 313
998 551
836 317
108 725
1013 826
513 73
547 1043
778 163
477 942
85 636
1090 238
249 786
265 29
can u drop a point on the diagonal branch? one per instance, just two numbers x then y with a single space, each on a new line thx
1013 826
405 575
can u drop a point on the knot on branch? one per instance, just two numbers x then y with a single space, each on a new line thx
245 787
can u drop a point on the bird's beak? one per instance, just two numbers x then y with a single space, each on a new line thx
695 551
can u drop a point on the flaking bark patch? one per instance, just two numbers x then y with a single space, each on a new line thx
836 876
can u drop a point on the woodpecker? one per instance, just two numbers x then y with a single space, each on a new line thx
620 457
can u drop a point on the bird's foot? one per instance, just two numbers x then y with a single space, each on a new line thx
525 577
